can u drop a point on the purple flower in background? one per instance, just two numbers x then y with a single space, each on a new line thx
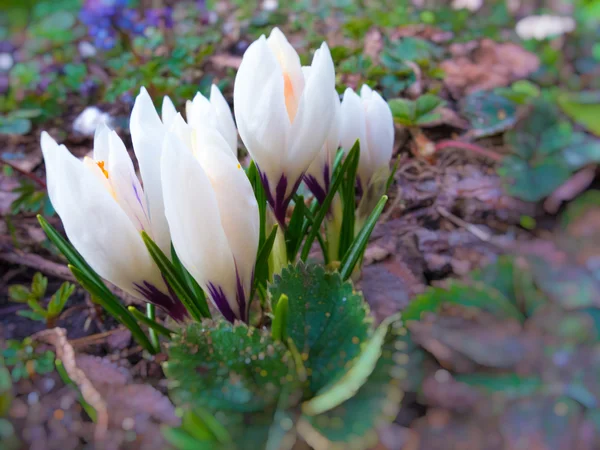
156 17
105 19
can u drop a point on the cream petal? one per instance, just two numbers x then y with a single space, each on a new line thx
224 118
353 127
315 115
237 207
95 224
192 210
168 111
290 65
380 131
260 110
126 186
147 134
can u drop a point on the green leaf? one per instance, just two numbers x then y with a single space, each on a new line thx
14 125
261 269
192 284
315 229
112 305
280 319
376 403
31 315
228 367
261 199
583 108
160 329
293 232
19 293
343 389
60 298
327 320
403 111
194 305
357 249
508 385
39 285
348 196
488 113
476 295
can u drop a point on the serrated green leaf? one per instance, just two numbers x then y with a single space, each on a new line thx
376 403
341 390
19 293
328 320
228 367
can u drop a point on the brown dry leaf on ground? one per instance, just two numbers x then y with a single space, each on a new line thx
486 65
122 407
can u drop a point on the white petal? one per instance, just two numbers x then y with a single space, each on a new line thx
353 127
192 211
181 129
200 112
289 61
326 156
224 118
147 134
169 111
237 207
126 186
315 115
380 131
101 142
95 224
260 110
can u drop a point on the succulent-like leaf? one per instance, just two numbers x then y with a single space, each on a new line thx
328 320
228 367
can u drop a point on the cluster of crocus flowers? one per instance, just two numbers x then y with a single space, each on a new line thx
193 195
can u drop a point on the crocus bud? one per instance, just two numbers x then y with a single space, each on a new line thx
282 115
213 217
214 113
103 209
318 175
367 118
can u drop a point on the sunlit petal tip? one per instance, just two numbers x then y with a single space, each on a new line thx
168 110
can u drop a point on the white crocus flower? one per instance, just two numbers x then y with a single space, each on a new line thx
213 217
318 175
147 134
213 113
544 26
103 209
283 117
367 118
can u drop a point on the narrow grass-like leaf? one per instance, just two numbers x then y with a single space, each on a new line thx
261 270
322 212
348 196
356 250
293 233
182 440
114 307
390 179
261 198
62 372
174 279
152 324
197 291
280 319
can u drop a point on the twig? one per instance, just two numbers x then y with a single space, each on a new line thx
93 338
31 176
476 231
469 147
65 352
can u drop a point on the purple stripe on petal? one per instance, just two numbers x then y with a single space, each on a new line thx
280 202
218 297
241 296
169 303
315 188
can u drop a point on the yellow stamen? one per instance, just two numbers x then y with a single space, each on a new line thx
101 165
239 166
